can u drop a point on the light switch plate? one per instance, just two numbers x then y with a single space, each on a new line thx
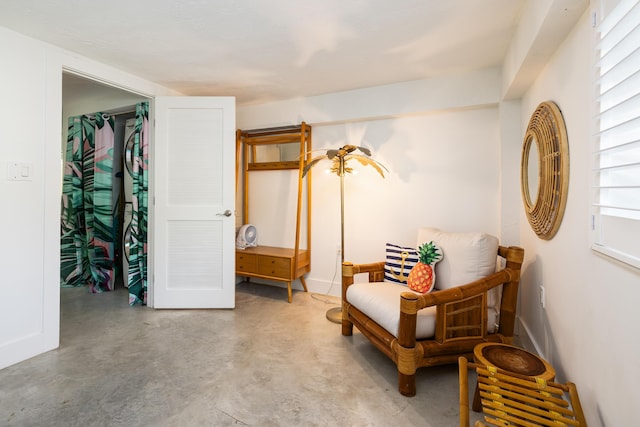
19 171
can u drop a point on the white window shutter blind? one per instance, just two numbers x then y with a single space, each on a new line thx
616 207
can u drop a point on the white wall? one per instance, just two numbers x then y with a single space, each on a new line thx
31 111
443 153
23 93
588 329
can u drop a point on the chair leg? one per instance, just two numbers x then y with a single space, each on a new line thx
406 361
347 327
407 384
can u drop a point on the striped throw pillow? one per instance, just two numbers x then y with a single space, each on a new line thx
398 263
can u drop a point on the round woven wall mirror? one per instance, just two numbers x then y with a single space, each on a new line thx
544 170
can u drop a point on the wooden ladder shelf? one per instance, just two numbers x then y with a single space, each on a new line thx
280 264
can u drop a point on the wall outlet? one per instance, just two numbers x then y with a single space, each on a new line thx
543 297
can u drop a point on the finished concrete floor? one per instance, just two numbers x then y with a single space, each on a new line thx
265 363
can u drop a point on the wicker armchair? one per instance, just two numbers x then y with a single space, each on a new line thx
460 313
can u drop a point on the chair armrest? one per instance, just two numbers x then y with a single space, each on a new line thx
375 270
349 269
463 292
465 302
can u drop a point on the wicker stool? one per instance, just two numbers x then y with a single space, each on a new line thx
512 359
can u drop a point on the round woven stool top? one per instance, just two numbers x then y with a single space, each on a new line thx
513 359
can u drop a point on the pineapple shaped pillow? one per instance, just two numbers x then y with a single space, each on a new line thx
423 276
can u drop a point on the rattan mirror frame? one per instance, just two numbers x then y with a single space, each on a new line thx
547 131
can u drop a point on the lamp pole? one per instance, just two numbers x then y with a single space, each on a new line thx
335 314
341 210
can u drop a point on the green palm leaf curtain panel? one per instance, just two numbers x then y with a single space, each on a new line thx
137 279
88 231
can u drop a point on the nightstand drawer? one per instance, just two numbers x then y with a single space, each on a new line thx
246 263
274 266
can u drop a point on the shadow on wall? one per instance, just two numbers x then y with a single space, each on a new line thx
542 340
389 145
530 308
398 150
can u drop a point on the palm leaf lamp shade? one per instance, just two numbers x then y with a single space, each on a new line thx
340 158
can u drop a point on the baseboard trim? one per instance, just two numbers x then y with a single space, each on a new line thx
22 349
323 287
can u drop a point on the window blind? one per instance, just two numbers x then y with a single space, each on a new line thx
616 174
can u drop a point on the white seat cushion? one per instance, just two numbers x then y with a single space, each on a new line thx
380 301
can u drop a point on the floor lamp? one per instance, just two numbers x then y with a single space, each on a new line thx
340 157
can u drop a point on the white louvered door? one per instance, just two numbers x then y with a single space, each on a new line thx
194 181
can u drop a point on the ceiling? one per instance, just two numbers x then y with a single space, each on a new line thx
262 51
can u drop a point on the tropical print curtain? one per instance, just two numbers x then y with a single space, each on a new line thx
137 280
90 206
88 230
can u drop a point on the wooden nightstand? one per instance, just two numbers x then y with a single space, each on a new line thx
272 263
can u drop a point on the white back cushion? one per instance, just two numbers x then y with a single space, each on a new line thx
467 256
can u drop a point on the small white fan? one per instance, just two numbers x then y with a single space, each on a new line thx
247 237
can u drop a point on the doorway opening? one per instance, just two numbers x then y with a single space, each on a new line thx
83 95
